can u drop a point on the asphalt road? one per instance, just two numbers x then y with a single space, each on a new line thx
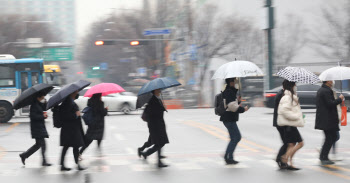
197 143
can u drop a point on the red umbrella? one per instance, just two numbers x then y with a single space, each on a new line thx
105 89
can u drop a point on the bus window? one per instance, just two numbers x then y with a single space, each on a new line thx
7 76
35 78
24 81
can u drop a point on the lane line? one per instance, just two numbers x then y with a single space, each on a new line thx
219 136
338 168
330 172
11 127
2 152
119 137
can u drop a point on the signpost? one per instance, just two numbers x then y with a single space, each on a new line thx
51 54
157 32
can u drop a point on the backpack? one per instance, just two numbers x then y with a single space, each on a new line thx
219 104
145 115
56 117
88 116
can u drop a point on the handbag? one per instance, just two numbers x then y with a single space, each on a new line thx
145 115
344 115
232 106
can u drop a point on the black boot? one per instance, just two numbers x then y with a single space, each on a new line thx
80 168
144 155
45 163
23 159
139 151
161 164
63 168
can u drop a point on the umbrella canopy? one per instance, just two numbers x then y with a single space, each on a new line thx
237 69
27 97
105 89
64 92
300 75
159 83
143 99
335 73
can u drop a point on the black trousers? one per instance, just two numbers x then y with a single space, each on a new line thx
87 143
284 147
330 139
147 144
75 153
39 143
156 147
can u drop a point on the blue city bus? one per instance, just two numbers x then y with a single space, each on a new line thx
16 75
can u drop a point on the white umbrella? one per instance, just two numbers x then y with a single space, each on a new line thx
335 73
237 69
297 74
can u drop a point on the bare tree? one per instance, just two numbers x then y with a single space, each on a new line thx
14 28
229 36
289 39
332 39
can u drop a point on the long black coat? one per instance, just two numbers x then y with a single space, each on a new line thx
96 129
37 120
230 95
72 134
156 122
277 103
326 109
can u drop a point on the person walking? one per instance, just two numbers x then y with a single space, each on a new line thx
95 131
327 118
72 134
230 119
280 129
156 126
291 117
37 128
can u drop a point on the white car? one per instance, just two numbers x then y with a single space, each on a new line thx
119 102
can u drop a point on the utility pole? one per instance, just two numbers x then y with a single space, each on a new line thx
268 26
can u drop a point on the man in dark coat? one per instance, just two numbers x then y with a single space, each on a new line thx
72 134
96 129
156 127
327 118
37 128
280 129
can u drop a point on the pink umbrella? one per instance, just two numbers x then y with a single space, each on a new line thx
105 89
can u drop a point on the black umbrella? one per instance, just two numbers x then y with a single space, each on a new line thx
27 97
143 99
64 92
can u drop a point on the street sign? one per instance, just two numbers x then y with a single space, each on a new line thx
155 32
142 71
94 74
104 66
50 54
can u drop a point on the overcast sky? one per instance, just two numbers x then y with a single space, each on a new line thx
90 10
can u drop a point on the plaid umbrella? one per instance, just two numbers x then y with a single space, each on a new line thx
300 75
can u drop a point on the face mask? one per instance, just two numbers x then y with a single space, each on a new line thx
237 86
295 89
43 101
77 96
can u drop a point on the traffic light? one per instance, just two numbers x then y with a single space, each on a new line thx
108 42
137 43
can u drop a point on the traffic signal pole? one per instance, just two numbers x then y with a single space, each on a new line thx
268 83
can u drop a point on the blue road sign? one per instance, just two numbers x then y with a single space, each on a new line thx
154 32
104 66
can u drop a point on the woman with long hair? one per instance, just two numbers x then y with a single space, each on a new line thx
95 130
290 116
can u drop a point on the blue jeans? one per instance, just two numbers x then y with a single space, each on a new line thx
235 136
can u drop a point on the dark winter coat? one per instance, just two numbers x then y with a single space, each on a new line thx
37 120
156 122
277 103
72 134
230 95
326 109
96 129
